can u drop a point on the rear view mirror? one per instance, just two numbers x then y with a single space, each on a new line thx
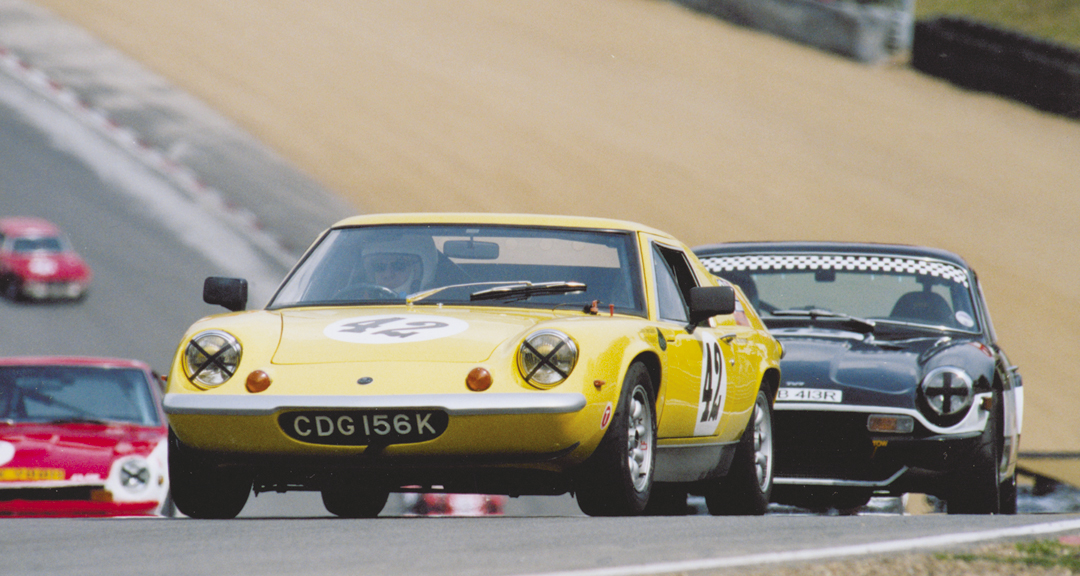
232 293
471 249
709 301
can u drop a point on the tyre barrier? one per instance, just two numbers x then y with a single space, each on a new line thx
868 31
979 56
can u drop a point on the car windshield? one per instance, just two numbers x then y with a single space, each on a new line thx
468 264
76 394
41 244
877 288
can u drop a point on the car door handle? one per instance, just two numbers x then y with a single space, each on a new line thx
728 337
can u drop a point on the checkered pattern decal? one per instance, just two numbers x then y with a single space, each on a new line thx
718 264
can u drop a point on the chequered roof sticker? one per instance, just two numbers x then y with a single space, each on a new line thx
945 270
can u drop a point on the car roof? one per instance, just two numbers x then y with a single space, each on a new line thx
27 226
86 361
867 248
494 218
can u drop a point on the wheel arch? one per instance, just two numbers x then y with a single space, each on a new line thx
770 382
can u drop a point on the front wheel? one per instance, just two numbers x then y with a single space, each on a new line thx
976 489
199 489
746 489
356 500
617 478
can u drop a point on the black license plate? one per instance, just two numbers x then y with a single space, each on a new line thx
363 427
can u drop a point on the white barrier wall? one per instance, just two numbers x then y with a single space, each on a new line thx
867 31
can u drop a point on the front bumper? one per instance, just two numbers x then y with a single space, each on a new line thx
70 501
835 449
489 429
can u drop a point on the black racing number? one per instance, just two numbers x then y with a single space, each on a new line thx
710 386
393 327
412 328
365 325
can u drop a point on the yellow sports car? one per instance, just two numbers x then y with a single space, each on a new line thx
479 353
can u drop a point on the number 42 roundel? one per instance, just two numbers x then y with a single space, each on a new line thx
713 390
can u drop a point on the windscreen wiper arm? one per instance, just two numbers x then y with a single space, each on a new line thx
816 313
527 289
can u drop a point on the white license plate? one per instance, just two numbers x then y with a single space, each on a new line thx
809 395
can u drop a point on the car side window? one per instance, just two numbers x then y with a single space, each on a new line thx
674 279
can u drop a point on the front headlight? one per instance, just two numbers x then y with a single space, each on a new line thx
546 358
947 393
211 358
135 474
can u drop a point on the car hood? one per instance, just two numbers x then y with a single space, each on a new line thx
866 371
50 266
428 334
78 450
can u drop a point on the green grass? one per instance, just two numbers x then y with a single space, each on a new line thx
1044 553
1056 20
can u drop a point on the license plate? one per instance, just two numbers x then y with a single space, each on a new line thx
364 427
809 395
31 474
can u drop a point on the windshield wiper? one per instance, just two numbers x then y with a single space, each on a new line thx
418 296
527 289
78 420
816 313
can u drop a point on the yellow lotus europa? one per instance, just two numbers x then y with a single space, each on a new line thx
479 353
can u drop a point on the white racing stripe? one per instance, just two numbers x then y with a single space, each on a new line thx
888 546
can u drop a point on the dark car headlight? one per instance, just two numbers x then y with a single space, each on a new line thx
211 358
546 358
946 394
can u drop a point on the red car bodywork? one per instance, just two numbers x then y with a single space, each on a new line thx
37 261
76 466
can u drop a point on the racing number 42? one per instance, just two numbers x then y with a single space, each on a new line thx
713 387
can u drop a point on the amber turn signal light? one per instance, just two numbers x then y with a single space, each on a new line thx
257 381
478 380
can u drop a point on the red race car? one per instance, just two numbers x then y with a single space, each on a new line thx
81 436
38 262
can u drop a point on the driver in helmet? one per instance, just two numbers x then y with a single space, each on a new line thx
405 265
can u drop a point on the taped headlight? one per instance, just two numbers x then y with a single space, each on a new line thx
547 358
135 475
211 358
947 392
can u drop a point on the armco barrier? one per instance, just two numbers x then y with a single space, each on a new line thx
867 31
982 57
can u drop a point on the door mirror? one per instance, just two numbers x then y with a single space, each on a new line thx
709 301
232 293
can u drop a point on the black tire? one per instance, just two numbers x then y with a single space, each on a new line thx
746 489
975 488
354 500
667 500
12 290
199 489
617 479
1007 495
823 499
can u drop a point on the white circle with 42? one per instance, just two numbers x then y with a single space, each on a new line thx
7 452
394 329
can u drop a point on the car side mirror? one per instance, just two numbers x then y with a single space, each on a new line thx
232 293
709 301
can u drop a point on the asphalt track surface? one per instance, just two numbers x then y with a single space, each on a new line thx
151 252
59 169
636 109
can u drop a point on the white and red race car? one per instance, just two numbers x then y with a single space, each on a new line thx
81 436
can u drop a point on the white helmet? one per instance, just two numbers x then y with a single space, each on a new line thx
420 272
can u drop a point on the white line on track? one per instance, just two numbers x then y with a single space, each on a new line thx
888 546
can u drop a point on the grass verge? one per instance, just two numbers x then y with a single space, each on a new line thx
1056 20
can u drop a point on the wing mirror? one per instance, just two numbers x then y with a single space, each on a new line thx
232 293
709 301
